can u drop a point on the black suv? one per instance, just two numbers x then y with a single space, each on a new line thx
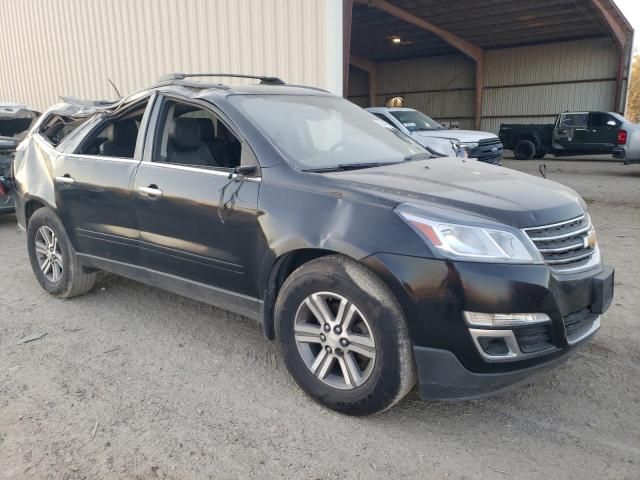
372 263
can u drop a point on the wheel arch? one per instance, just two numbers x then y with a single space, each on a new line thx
280 270
31 204
528 136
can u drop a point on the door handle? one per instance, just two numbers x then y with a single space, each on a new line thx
66 179
151 190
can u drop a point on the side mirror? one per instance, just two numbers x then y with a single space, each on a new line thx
242 171
611 123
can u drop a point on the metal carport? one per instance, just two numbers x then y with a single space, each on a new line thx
483 38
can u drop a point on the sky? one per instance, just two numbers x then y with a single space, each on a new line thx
631 10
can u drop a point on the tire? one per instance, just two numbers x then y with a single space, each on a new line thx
63 277
525 149
381 354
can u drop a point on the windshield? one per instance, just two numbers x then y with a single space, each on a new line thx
415 121
322 132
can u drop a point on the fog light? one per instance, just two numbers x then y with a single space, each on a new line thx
475 319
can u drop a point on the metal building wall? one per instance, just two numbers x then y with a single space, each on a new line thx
71 47
522 85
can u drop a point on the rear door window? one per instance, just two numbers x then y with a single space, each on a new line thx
191 135
116 136
601 119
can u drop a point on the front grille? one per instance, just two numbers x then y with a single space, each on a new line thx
488 151
577 324
569 243
534 338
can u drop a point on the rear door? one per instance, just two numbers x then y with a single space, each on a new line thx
570 133
198 226
94 185
603 132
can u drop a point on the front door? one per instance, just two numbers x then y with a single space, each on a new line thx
94 187
198 227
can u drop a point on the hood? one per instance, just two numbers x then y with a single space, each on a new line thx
452 184
459 135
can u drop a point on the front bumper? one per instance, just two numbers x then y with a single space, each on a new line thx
435 293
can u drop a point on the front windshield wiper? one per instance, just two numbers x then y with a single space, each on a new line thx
416 156
348 166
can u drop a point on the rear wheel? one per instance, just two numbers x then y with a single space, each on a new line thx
343 336
525 150
53 259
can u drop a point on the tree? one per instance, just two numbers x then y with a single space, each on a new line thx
633 99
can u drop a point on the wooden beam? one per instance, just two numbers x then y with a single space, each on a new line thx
616 29
369 67
465 47
347 15
617 97
479 91
622 39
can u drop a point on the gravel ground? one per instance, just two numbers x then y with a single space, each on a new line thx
132 382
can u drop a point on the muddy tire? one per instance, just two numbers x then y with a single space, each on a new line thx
53 259
343 336
525 150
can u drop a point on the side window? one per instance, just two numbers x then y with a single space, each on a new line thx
115 136
56 128
600 119
384 117
191 135
574 120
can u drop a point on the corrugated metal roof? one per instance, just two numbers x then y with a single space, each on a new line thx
489 24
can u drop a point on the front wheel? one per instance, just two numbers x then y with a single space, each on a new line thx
343 337
53 259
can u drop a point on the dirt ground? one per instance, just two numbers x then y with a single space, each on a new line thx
132 382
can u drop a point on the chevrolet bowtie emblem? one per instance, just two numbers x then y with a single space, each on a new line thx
590 240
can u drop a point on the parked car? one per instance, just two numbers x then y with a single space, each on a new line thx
373 263
15 119
575 133
442 147
483 146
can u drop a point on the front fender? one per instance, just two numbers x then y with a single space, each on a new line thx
33 174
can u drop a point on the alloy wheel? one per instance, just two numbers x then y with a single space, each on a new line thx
49 254
335 340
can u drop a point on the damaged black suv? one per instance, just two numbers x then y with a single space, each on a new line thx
373 263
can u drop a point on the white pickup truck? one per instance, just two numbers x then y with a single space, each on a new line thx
483 146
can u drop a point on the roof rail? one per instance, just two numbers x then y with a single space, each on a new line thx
182 76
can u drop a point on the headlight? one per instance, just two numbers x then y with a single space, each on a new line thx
470 145
460 150
465 242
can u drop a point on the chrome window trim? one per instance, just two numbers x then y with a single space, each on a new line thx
187 168
101 157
